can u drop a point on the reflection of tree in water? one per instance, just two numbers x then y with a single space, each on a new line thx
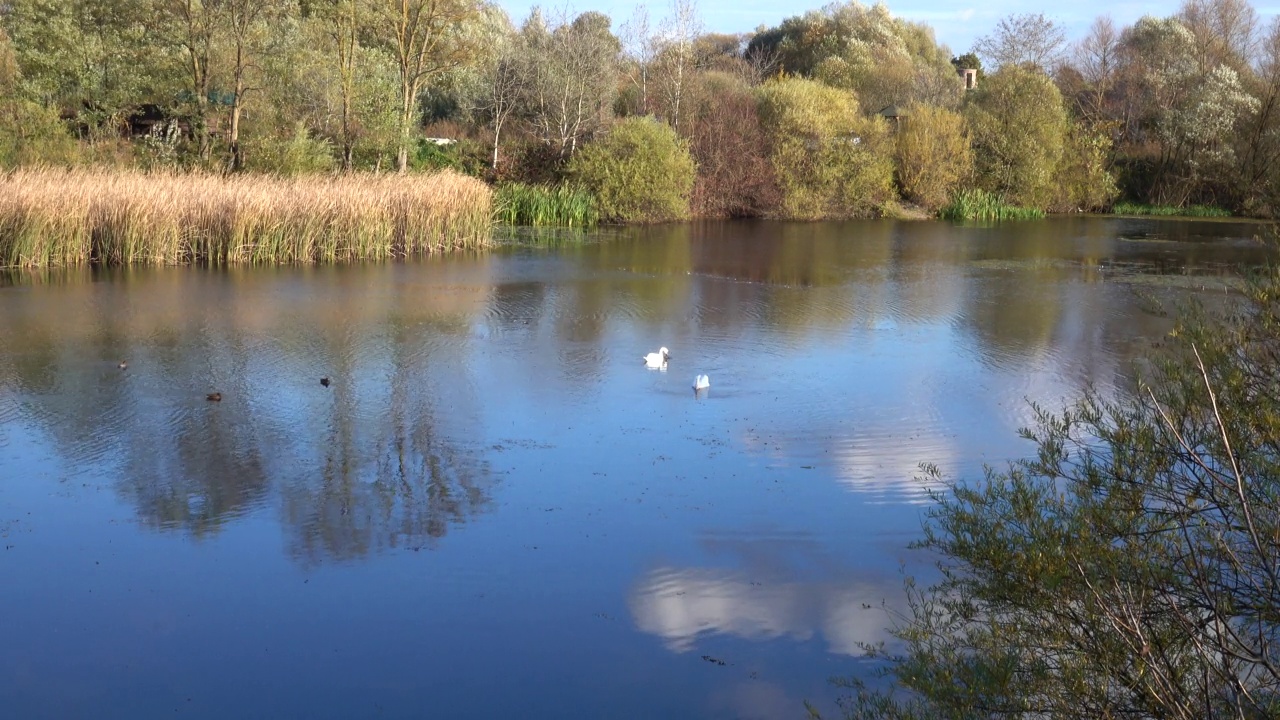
191 465
392 478
216 479
181 468
738 274
364 465
1016 315
403 494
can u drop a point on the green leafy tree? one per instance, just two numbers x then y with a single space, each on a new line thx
640 171
426 38
932 155
343 21
93 60
1085 181
10 73
488 91
1183 117
30 133
830 160
190 26
865 49
297 154
967 61
289 125
1019 129
248 29
377 109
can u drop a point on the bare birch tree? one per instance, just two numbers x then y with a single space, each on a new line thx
1032 40
675 59
503 92
1225 32
570 78
1097 58
639 45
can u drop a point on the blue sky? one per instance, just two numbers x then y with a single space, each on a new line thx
956 24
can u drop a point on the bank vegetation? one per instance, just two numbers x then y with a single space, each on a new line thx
843 111
53 218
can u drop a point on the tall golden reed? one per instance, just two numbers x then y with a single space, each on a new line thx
75 217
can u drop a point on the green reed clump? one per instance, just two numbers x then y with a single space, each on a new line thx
1203 211
545 206
77 217
982 205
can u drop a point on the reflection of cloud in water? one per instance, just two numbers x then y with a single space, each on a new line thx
916 396
682 605
871 445
787 587
886 462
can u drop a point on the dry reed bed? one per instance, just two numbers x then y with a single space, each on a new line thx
77 217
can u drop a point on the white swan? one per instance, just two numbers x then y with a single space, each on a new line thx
657 359
702 382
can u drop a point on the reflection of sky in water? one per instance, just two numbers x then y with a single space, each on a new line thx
679 605
780 587
496 509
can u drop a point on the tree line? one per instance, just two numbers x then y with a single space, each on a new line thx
842 111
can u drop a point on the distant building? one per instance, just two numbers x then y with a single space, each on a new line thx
892 114
970 76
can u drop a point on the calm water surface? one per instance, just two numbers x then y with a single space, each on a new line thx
496 510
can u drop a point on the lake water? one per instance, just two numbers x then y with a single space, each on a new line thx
495 509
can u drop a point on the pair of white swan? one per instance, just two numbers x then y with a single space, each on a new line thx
660 358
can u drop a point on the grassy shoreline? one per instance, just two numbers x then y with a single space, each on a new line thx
53 218
968 205
518 204
1191 211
